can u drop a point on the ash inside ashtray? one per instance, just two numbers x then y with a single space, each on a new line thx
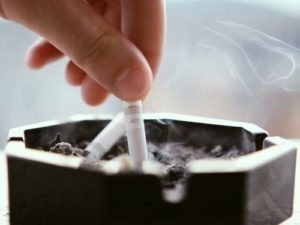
65 148
173 156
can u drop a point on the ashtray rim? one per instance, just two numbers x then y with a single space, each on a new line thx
273 150
18 132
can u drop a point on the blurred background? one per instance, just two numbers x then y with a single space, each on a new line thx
236 60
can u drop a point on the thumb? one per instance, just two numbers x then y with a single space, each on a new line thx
89 41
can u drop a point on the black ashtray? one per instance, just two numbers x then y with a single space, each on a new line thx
254 189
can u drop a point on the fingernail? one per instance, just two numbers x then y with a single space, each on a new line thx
132 84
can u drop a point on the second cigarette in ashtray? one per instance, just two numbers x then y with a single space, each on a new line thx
135 131
107 138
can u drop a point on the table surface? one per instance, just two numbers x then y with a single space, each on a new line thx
4 214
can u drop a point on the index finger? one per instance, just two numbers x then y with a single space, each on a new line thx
143 22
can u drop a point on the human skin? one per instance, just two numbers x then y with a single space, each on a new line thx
113 46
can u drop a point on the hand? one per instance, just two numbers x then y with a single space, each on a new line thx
114 46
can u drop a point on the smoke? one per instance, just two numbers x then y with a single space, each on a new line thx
226 70
254 57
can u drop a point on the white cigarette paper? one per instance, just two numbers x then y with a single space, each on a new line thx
106 139
135 131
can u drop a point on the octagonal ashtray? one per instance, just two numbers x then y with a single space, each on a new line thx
203 171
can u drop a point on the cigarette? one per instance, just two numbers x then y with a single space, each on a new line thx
135 131
107 138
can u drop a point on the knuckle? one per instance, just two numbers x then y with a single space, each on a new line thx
86 52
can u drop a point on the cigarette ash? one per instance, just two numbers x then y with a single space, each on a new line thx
59 146
173 157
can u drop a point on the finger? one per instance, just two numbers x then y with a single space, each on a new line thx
92 93
144 25
2 14
110 9
74 74
98 5
113 13
1 11
41 53
89 41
